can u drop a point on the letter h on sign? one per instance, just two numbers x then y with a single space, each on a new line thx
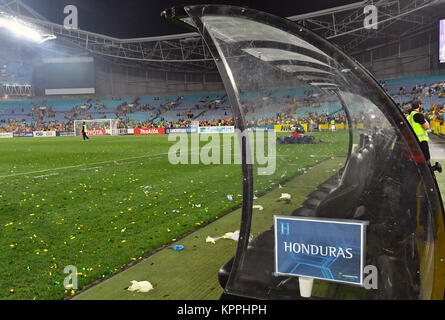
285 229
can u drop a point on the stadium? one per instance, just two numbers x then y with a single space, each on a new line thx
254 156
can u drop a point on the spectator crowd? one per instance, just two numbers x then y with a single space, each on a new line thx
260 112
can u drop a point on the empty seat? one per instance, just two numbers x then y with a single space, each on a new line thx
341 201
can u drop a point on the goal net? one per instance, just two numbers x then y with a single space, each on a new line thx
97 127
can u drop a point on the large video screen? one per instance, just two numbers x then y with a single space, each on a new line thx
69 75
442 41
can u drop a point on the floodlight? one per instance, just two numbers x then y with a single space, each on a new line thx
23 29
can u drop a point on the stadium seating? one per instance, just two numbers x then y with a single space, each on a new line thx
211 108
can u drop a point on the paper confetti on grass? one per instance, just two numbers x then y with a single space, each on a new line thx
74 210
229 235
212 240
140 286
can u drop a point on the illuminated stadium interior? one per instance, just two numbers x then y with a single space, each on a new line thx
118 180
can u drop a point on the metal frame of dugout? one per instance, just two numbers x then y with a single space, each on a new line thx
385 179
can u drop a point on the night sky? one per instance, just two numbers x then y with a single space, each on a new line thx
141 18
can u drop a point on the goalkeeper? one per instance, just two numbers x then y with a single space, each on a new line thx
84 132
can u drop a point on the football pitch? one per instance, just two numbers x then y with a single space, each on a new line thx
102 204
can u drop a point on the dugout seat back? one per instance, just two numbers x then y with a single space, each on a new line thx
343 200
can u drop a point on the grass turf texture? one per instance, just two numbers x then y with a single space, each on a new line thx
195 269
101 204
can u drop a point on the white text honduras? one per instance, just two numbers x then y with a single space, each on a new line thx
317 250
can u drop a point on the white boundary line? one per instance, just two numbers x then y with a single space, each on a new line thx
77 166
46 175
153 156
90 164
85 169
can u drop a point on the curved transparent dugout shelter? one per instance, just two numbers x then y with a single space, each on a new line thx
361 160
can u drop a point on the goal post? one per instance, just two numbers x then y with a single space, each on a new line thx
97 127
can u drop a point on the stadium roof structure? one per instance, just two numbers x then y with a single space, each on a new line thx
344 26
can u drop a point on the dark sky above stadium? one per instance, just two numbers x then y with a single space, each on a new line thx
141 18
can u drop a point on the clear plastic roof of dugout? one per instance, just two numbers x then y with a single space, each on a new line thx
359 159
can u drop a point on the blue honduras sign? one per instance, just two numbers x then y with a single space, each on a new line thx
320 248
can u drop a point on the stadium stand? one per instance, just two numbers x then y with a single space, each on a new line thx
289 106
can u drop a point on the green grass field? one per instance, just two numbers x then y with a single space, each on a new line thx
102 204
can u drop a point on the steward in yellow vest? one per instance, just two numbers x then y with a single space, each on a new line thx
420 126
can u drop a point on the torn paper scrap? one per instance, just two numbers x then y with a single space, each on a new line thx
232 235
140 286
285 196
228 235
212 240
257 206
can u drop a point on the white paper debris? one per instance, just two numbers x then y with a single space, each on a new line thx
257 206
228 235
285 196
140 286
232 235
212 240
229 196
146 189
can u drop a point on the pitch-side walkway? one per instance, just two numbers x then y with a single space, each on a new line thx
437 148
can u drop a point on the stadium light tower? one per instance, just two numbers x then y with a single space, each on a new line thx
23 29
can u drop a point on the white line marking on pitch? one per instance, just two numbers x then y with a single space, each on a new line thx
72 167
47 175
84 169
85 164
123 163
